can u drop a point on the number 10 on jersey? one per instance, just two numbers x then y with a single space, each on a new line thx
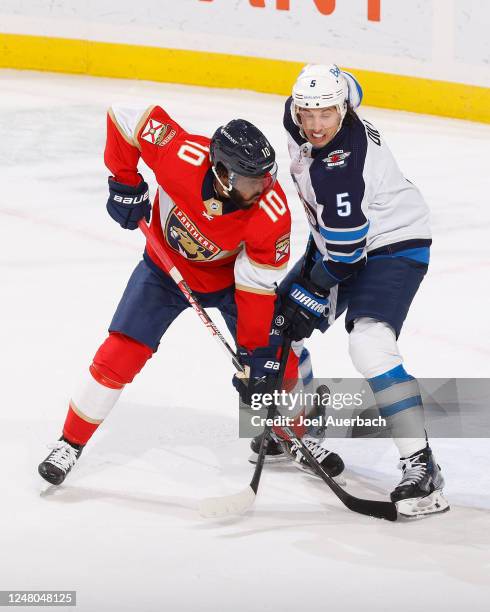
273 205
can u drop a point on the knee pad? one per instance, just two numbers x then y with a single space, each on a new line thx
118 360
373 347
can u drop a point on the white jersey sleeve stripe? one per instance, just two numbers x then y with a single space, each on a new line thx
127 119
254 278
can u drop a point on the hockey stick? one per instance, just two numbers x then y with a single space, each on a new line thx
173 271
369 507
239 503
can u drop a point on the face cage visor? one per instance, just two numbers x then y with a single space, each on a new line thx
257 186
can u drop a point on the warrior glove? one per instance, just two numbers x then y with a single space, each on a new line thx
304 308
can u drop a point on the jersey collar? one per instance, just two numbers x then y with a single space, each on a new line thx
213 205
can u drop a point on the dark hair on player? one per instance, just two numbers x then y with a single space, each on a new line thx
350 116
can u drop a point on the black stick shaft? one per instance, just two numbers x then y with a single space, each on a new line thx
254 483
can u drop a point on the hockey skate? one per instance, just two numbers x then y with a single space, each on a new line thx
275 452
280 450
283 450
59 462
419 492
330 461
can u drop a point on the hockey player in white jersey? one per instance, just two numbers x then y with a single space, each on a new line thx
370 250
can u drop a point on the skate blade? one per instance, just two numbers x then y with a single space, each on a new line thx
435 503
268 458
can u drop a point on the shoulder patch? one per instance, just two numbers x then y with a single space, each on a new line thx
282 247
157 133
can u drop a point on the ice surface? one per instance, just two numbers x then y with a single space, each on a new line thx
124 529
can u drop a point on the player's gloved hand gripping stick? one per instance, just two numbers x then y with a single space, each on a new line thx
304 305
242 501
238 503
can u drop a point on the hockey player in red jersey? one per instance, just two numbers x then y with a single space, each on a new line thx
222 218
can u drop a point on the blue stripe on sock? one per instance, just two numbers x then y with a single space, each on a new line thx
308 379
305 353
392 377
410 402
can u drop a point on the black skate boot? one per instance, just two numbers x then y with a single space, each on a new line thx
281 450
274 452
330 461
60 461
420 490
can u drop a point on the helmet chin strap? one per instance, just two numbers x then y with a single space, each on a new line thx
226 189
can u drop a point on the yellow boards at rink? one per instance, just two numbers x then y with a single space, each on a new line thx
428 57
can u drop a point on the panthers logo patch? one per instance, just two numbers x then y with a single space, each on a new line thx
185 238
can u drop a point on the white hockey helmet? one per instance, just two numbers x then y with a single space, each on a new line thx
320 86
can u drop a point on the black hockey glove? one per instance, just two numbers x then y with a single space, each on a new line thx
304 308
261 374
127 205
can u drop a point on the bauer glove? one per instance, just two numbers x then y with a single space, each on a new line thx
127 205
260 376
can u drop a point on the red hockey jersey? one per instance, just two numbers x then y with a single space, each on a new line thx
213 244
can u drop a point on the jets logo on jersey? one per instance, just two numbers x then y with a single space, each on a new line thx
158 133
336 158
185 238
282 247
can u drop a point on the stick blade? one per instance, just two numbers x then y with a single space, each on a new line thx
371 507
216 507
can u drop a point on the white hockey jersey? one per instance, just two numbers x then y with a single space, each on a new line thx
355 196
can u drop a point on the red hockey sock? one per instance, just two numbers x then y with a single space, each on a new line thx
115 364
299 429
77 429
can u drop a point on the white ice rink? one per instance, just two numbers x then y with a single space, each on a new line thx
124 531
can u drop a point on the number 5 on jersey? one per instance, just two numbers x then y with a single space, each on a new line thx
344 208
